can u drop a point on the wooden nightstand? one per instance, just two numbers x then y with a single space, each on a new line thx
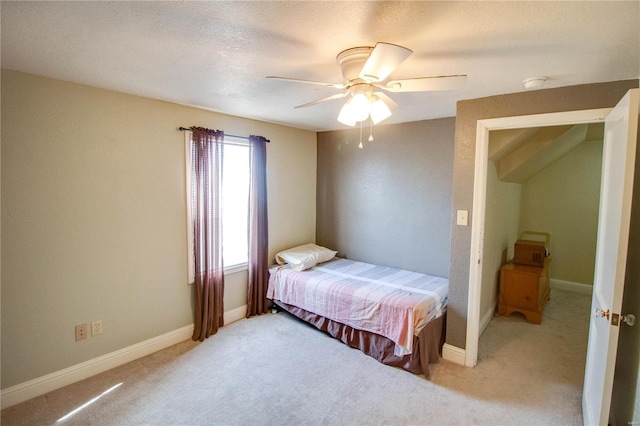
524 289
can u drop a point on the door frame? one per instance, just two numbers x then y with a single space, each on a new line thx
479 202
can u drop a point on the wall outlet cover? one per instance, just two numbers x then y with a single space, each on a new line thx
81 332
96 327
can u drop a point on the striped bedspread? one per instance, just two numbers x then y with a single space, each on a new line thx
391 302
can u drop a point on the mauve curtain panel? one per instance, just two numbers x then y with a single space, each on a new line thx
207 153
258 229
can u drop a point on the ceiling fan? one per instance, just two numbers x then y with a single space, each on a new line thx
366 71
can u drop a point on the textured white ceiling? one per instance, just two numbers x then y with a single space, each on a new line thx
215 55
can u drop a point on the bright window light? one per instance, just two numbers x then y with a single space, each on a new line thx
235 204
88 403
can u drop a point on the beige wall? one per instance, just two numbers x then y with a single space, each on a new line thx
388 203
563 199
93 217
502 215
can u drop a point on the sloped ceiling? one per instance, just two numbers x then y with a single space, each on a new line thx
518 154
216 54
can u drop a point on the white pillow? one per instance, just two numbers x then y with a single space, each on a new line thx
305 256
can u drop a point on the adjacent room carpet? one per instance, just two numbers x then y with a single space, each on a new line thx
273 369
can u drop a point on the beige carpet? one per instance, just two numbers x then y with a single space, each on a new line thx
274 369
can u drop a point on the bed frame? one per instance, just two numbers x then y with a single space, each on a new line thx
427 344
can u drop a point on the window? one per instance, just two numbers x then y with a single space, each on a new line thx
235 204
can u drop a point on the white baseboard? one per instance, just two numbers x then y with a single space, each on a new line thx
571 286
235 314
454 354
50 382
41 385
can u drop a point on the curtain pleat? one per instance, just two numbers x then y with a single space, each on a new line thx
207 152
258 229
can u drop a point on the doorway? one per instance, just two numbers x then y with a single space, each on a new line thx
619 159
484 127
542 179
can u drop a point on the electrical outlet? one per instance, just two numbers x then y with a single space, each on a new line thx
81 332
96 327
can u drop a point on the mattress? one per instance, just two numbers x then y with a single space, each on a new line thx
391 302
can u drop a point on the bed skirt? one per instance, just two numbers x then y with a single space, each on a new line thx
427 346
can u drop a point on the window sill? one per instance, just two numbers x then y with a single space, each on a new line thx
236 268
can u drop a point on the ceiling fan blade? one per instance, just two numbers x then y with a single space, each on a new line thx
426 84
328 98
320 83
390 102
384 58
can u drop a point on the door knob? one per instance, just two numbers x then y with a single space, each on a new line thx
599 313
628 319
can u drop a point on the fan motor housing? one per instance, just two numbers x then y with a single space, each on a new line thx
352 60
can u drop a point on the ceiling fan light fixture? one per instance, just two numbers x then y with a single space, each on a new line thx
360 106
379 110
365 69
346 115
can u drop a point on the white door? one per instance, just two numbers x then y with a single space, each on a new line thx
618 165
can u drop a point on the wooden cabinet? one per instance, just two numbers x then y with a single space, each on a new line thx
524 289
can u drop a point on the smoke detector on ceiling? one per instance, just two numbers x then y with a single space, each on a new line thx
534 83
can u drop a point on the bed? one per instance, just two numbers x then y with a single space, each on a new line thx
393 315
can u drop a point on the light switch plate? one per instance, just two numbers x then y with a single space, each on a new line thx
463 217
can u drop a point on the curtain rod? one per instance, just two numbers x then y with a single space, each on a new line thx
182 129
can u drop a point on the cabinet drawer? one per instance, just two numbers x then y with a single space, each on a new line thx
521 290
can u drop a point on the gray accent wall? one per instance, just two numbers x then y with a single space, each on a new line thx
388 203
573 98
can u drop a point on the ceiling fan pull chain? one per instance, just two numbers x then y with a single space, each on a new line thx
360 146
371 130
